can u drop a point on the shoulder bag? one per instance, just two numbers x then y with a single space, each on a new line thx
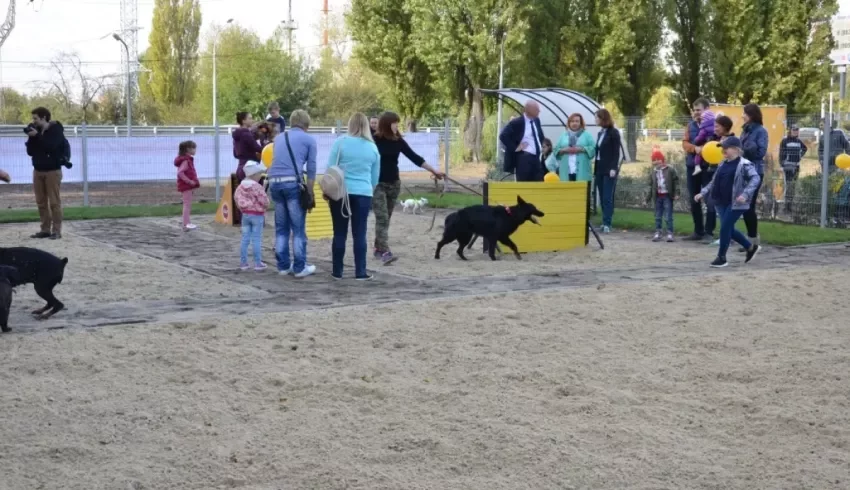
308 202
333 185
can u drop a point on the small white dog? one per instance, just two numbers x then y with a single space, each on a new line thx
413 204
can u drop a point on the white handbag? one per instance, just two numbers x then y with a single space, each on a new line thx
333 185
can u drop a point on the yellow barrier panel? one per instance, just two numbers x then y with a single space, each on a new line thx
565 205
319 224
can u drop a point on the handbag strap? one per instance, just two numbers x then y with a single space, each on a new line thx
346 203
292 157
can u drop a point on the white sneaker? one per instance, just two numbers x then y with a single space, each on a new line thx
190 227
287 272
308 271
697 171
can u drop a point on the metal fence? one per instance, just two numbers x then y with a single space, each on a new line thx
111 168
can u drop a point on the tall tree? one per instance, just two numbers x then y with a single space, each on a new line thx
800 40
688 28
172 55
251 73
459 41
73 87
384 35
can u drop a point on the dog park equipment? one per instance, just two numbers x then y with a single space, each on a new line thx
319 224
268 155
566 206
843 161
712 153
551 177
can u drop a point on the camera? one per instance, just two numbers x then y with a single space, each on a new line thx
30 127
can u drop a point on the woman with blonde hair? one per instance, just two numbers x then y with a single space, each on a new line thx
572 154
357 156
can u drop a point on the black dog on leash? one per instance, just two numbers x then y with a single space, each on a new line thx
494 223
9 279
44 270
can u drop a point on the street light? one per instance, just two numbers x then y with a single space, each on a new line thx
129 86
215 79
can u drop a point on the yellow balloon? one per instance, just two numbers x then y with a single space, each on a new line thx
712 153
268 154
843 161
551 177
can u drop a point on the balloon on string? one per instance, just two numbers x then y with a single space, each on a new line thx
268 155
712 153
842 161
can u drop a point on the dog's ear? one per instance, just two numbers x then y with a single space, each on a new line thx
520 200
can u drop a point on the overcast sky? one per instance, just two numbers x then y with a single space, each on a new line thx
46 27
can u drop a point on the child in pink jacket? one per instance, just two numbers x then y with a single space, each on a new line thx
252 200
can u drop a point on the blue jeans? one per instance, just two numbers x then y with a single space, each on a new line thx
360 206
728 232
605 190
252 233
664 208
289 217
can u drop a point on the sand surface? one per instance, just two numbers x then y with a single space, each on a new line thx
582 370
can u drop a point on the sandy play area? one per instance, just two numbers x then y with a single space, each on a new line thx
634 367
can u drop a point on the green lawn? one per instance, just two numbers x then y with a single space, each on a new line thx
107 212
772 233
629 219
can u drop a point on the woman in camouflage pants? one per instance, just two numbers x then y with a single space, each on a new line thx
391 145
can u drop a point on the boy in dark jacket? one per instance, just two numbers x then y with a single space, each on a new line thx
663 190
46 145
791 152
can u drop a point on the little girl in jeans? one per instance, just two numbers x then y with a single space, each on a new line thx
187 179
252 200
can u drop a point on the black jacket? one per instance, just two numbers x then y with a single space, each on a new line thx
609 151
838 144
792 150
511 137
46 147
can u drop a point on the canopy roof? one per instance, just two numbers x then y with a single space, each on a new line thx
556 106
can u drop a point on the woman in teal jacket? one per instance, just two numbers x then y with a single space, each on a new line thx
573 153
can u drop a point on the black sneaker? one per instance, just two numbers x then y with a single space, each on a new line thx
41 234
719 262
752 253
367 277
693 238
56 236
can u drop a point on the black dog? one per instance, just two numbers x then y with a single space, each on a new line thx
494 223
9 278
44 270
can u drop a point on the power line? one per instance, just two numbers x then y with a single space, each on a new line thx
246 54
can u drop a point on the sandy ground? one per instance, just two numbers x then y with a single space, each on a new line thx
625 383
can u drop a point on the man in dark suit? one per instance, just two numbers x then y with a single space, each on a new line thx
522 138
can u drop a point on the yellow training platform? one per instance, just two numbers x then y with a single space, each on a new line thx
319 224
565 205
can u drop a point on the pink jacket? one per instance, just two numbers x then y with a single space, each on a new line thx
251 198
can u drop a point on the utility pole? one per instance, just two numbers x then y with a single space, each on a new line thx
289 27
325 11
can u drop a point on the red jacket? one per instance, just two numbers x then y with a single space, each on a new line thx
187 177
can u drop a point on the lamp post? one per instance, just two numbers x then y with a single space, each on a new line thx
215 79
501 86
129 86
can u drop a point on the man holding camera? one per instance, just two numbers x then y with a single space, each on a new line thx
49 151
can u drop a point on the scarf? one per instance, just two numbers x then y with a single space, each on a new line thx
574 135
